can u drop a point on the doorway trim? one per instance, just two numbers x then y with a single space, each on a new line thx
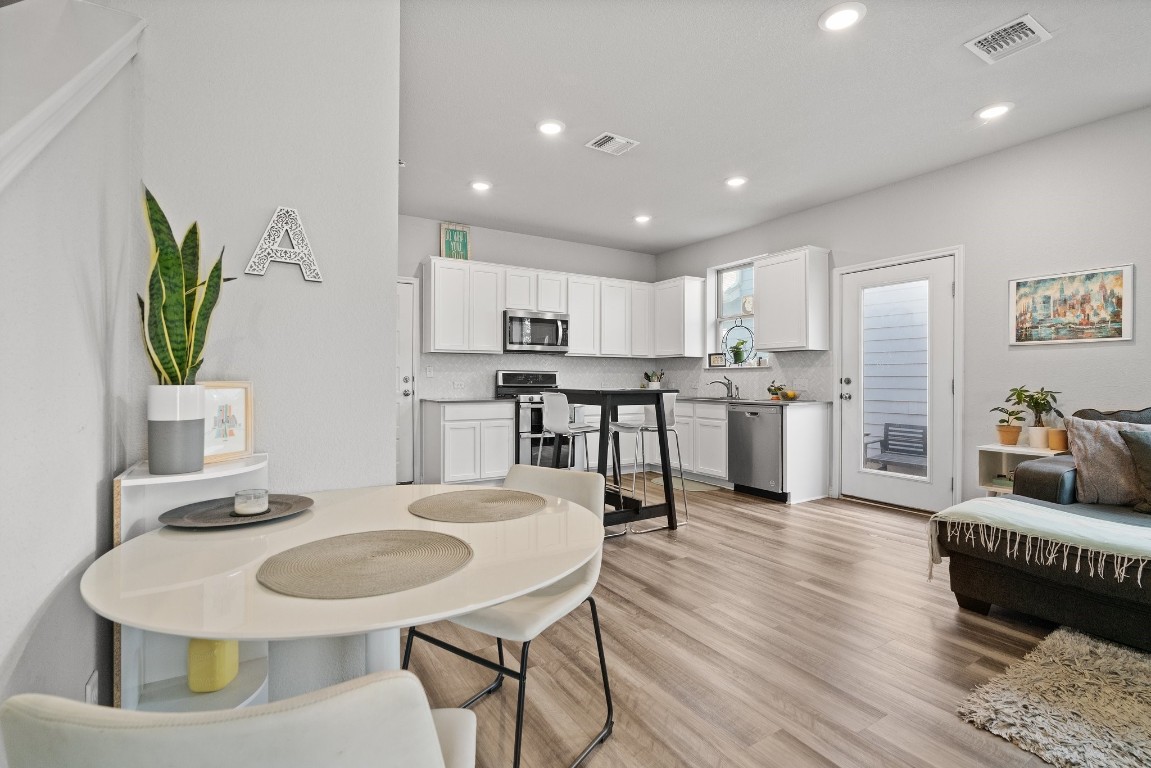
417 427
957 456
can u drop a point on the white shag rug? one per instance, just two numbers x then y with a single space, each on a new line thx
1074 700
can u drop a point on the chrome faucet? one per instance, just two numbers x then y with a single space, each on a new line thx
732 387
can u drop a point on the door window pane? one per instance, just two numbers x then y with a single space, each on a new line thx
895 363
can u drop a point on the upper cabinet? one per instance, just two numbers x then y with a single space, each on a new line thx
583 313
615 318
791 300
463 306
678 318
464 303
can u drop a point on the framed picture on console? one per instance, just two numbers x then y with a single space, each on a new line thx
1089 305
228 420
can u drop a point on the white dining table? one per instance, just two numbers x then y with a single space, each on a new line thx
202 583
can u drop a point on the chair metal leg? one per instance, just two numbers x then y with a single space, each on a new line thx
408 648
608 723
520 704
679 460
494 685
586 456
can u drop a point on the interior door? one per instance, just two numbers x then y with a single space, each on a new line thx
897 401
406 314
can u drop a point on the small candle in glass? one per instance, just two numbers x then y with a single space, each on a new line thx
251 502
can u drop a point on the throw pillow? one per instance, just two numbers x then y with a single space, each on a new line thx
1139 443
1105 469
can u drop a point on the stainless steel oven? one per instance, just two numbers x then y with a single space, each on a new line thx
535 331
526 388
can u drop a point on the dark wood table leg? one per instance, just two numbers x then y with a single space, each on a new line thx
557 444
665 461
604 436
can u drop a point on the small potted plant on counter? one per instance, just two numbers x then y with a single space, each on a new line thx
653 379
1007 428
776 390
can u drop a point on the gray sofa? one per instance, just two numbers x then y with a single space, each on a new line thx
1104 607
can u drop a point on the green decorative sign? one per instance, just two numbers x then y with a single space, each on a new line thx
455 241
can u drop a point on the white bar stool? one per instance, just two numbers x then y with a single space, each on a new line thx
558 424
649 425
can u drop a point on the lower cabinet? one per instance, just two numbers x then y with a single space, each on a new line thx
702 429
467 442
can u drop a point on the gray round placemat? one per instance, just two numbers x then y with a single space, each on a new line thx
364 564
490 505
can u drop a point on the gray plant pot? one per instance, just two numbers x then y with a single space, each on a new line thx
175 429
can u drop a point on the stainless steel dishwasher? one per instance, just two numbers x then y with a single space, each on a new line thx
755 448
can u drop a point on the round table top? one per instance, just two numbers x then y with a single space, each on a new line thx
202 583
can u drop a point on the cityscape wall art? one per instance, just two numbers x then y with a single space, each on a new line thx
1092 305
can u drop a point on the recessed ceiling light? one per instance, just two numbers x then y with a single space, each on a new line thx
481 186
643 218
842 16
551 127
735 181
992 111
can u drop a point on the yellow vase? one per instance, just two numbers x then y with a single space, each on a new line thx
212 664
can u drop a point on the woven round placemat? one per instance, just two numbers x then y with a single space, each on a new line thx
364 564
490 505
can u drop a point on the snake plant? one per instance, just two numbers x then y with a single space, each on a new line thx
175 314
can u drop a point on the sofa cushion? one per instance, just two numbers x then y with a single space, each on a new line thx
1105 470
1139 443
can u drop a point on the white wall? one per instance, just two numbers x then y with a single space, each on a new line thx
69 367
1071 201
253 105
420 238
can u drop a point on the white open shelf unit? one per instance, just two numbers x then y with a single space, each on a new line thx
149 668
996 459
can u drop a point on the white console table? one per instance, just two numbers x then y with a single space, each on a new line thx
997 460
149 669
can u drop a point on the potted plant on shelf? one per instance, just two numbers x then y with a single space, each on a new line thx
1007 428
653 379
739 352
174 316
1040 402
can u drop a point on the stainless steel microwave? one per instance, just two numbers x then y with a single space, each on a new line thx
535 331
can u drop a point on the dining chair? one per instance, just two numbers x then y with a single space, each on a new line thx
558 424
650 425
523 619
373 721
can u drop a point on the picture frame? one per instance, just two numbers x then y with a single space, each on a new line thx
455 241
717 360
1087 305
229 420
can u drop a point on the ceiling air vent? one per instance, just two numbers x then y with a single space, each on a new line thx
1009 39
611 143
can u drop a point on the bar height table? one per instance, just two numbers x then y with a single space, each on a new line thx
627 508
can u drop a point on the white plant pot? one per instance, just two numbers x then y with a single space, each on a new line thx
175 429
654 384
1037 437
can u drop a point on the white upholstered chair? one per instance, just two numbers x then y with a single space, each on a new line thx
370 722
522 619
557 423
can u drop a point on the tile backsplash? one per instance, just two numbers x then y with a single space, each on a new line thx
807 372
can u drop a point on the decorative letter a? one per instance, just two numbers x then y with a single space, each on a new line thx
286 221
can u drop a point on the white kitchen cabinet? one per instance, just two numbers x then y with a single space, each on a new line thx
552 292
642 315
678 318
463 306
615 318
583 311
467 442
702 429
520 286
486 308
711 447
791 300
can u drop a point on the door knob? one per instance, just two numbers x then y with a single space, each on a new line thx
407 393
845 380
844 395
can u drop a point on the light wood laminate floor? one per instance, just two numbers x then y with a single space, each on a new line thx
758 635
